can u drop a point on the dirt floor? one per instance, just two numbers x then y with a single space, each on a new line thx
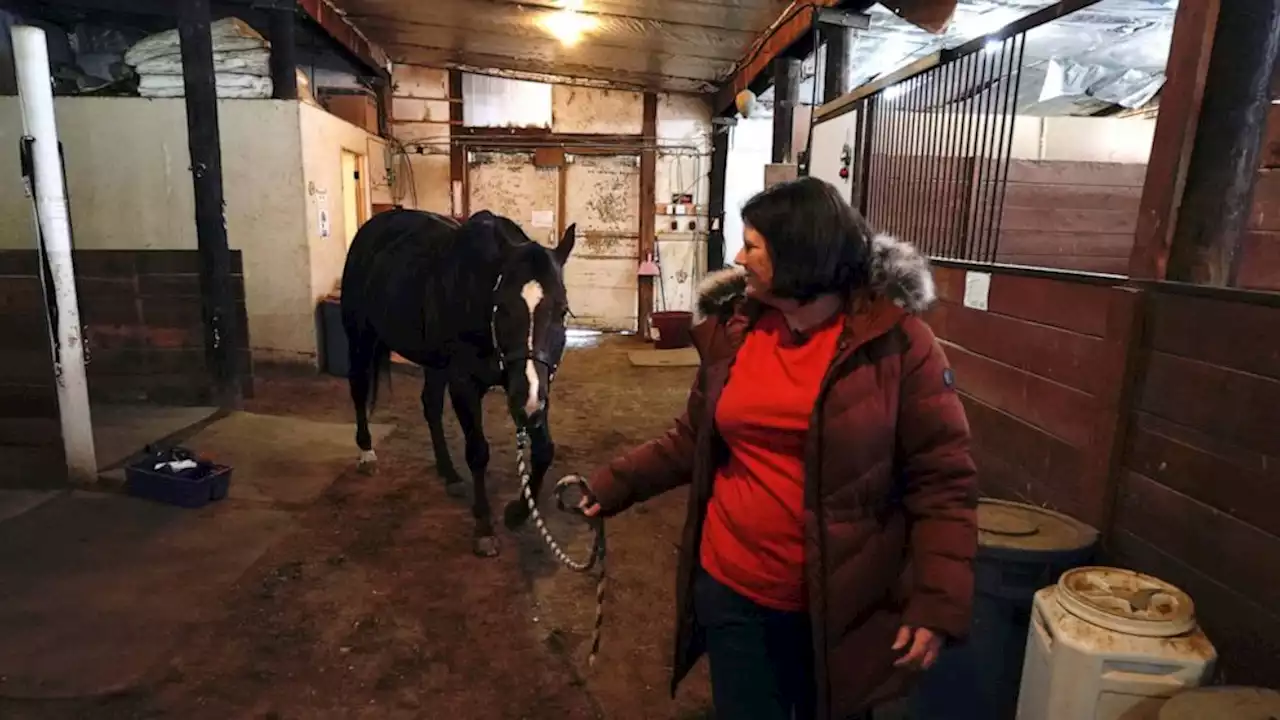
376 608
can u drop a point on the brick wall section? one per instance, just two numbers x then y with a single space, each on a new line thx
420 119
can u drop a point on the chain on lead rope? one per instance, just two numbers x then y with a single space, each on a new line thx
596 523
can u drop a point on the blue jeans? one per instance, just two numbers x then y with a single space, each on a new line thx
761 658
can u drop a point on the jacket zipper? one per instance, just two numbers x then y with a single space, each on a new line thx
813 474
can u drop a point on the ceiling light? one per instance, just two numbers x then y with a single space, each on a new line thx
568 25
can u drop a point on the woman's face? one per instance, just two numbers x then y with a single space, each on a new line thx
754 256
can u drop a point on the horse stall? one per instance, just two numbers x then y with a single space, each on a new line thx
298 181
1116 363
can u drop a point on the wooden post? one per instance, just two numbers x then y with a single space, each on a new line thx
458 189
836 77
211 227
786 88
284 53
648 200
382 87
1229 138
715 203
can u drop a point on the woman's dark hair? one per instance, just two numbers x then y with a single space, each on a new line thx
818 243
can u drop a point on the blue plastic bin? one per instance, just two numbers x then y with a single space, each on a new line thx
141 481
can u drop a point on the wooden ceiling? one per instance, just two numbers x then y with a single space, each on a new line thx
672 45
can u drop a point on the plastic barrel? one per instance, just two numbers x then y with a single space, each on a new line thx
673 329
1021 548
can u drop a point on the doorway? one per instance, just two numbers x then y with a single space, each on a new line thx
353 194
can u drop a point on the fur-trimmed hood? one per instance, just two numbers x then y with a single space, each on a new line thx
898 270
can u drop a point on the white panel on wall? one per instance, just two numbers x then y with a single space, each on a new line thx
502 102
829 139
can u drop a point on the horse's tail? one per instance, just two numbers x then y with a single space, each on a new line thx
379 364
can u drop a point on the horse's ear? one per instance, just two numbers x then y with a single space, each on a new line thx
565 247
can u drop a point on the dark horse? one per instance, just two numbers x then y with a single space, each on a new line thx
477 305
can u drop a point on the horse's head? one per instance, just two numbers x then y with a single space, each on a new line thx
530 306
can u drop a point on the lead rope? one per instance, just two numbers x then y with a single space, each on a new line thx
596 523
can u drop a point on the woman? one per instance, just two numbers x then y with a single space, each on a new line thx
827 553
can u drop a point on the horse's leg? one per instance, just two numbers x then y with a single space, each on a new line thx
543 452
360 362
433 391
466 395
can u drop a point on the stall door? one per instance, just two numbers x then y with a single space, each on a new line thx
508 184
602 196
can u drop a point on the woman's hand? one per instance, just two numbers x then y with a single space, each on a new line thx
924 643
588 505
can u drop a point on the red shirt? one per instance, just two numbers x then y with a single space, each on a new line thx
753 538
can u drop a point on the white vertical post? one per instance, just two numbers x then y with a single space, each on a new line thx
35 93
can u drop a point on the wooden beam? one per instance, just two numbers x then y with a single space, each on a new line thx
284 54
1190 47
715 203
218 297
457 152
836 73
340 29
793 28
648 200
1224 161
786 90
790 33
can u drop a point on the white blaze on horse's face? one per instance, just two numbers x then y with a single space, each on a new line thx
532 294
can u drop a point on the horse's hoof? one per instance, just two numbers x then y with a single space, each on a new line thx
368 464
486 546
515 513
456 490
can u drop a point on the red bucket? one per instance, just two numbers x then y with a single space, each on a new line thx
672 328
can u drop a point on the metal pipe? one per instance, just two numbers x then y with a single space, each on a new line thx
950 196
35 93
1021 41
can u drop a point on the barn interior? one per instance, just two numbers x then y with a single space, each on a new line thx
1093 182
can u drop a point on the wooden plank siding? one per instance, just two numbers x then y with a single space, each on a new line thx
1260 246
144 327
1059 215
1199 493
1070 215
1042 375
31 453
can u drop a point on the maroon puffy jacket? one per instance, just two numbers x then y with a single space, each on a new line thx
890 493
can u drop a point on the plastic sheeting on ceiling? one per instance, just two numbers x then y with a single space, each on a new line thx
1109 55
678 45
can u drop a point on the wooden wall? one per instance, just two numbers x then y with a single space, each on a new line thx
31 452
1056 214
1260 247
145 328
1041 372
1199 493
1070 215
1151 413
142 312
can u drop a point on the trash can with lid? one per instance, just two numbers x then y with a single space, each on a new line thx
1021 548
1111 644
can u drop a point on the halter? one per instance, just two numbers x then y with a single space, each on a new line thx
542 357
